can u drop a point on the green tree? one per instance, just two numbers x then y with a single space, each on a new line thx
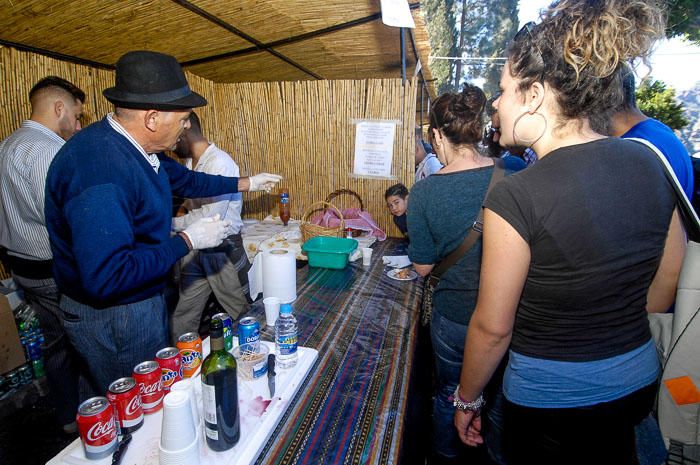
683 19
487 27
440 17
657 101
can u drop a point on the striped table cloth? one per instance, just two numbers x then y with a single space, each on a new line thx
352 407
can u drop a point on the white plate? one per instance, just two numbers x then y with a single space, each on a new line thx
393 274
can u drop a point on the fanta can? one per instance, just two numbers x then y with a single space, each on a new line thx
190 347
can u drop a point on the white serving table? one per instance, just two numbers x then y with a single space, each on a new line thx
259 417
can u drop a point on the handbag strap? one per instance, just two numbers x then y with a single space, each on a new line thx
690 219
476 229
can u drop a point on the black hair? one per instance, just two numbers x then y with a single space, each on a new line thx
629 98
195 124
459 116
55 81
398 190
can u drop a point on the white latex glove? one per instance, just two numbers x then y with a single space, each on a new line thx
263 182
207 232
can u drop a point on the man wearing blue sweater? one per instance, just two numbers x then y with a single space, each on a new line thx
108 203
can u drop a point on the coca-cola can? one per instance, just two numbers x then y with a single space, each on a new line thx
170 366
148 379
124 396
97 427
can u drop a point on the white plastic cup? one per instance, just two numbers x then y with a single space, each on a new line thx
272 310
188 386
188 455
366 256
178 429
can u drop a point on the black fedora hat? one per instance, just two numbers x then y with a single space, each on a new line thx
151 80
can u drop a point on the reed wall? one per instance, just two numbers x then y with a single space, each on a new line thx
302 130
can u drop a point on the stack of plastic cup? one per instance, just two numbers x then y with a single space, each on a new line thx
179 438
188 386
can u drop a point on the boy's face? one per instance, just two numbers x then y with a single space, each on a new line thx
397 205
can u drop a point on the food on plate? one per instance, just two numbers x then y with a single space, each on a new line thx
403 273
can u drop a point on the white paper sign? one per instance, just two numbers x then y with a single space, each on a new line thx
396 13
374 148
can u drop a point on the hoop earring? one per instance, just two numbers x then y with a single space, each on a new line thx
515 125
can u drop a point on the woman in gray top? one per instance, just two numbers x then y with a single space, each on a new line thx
442 209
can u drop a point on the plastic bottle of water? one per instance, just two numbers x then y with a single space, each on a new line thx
286 338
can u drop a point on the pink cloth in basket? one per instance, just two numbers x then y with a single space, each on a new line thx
354 218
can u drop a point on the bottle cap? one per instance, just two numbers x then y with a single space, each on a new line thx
285 308
216 328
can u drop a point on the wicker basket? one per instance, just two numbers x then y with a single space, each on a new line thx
335 194
340 192
309 230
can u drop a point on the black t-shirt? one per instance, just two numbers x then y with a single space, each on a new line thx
595 216
401 223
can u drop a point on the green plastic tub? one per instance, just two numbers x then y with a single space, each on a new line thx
329 252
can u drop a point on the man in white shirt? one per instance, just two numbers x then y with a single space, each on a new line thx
223 270
25 157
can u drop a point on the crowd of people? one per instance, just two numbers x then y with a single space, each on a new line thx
541 344
87 226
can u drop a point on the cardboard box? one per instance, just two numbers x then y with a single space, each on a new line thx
11 350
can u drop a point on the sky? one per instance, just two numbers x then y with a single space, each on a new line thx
675 62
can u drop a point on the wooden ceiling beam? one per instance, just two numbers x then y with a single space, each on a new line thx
56 55
268 47
259 46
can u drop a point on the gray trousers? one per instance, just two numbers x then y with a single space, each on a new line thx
221 271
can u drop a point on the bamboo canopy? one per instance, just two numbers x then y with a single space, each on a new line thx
225 40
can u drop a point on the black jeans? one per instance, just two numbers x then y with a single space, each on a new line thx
599 434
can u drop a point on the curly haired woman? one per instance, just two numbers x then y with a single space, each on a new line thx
588 239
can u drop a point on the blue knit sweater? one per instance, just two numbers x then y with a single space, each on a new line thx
108 214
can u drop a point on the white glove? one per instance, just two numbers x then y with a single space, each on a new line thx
207 232
263 182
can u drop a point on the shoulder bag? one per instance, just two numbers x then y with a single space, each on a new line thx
433 279
676 336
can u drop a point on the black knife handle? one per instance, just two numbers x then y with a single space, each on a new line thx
121 448
271 365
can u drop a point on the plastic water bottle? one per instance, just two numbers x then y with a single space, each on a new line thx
286 338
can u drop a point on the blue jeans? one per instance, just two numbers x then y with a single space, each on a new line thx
448 348
115 339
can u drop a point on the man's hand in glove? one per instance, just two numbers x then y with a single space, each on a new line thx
263 182
207 232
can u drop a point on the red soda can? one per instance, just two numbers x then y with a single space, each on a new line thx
190 347
124 396
97 427
170 366
148 379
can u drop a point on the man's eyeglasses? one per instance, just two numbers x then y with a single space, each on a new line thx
520 35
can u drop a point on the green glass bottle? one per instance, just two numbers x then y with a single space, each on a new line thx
222 425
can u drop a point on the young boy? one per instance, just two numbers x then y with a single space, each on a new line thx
397 201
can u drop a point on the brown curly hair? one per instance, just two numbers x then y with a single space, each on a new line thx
460 116
580 48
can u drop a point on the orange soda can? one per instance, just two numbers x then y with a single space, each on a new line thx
190 347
